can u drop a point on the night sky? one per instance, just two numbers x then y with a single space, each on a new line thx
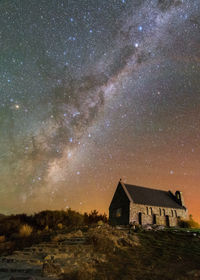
92 91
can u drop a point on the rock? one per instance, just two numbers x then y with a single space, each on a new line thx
50 268
78 233
147 227
160 228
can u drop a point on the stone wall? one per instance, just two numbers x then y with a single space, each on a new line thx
155 214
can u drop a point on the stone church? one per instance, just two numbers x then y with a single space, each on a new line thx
140 205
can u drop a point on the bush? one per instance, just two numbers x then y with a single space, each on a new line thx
25 230
46 228
9 225
188 223
100 223
74 218
94 217
60 226
2 238
46 220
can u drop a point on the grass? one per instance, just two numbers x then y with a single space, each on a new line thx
168 254
144 255
25 230
191 230
162 255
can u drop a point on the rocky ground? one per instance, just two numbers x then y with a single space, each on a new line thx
107 253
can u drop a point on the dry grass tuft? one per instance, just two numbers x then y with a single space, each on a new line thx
25 230
2 238
60 226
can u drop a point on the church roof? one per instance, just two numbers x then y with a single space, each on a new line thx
152 197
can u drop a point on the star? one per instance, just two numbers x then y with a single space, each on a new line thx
94 89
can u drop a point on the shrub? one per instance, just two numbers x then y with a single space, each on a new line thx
74 218
25 230
100 223
93 217
60 226
188 223
2 238
9 225
46 228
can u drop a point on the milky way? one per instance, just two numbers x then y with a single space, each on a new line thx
92 91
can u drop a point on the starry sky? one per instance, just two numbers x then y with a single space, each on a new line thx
96 90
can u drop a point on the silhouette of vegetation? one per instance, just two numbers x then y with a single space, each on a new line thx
21 230
46 220
188 223
94 217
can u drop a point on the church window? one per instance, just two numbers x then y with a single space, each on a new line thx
119 212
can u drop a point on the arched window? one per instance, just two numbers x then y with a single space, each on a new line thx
172 213
160 212
151 211
147 211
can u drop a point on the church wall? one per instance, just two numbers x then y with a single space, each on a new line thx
119 208
152 214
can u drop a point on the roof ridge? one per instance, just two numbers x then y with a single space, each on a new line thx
146 188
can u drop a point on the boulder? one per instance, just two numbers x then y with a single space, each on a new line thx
160 227
147 227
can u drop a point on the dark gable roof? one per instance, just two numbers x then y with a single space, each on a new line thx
152 197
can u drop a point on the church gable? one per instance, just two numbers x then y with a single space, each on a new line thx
119 207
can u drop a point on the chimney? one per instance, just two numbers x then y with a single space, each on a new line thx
179 197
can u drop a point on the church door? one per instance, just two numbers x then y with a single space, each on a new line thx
140 218
154 219
167 221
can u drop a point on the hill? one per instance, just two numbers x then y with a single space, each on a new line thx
106 253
